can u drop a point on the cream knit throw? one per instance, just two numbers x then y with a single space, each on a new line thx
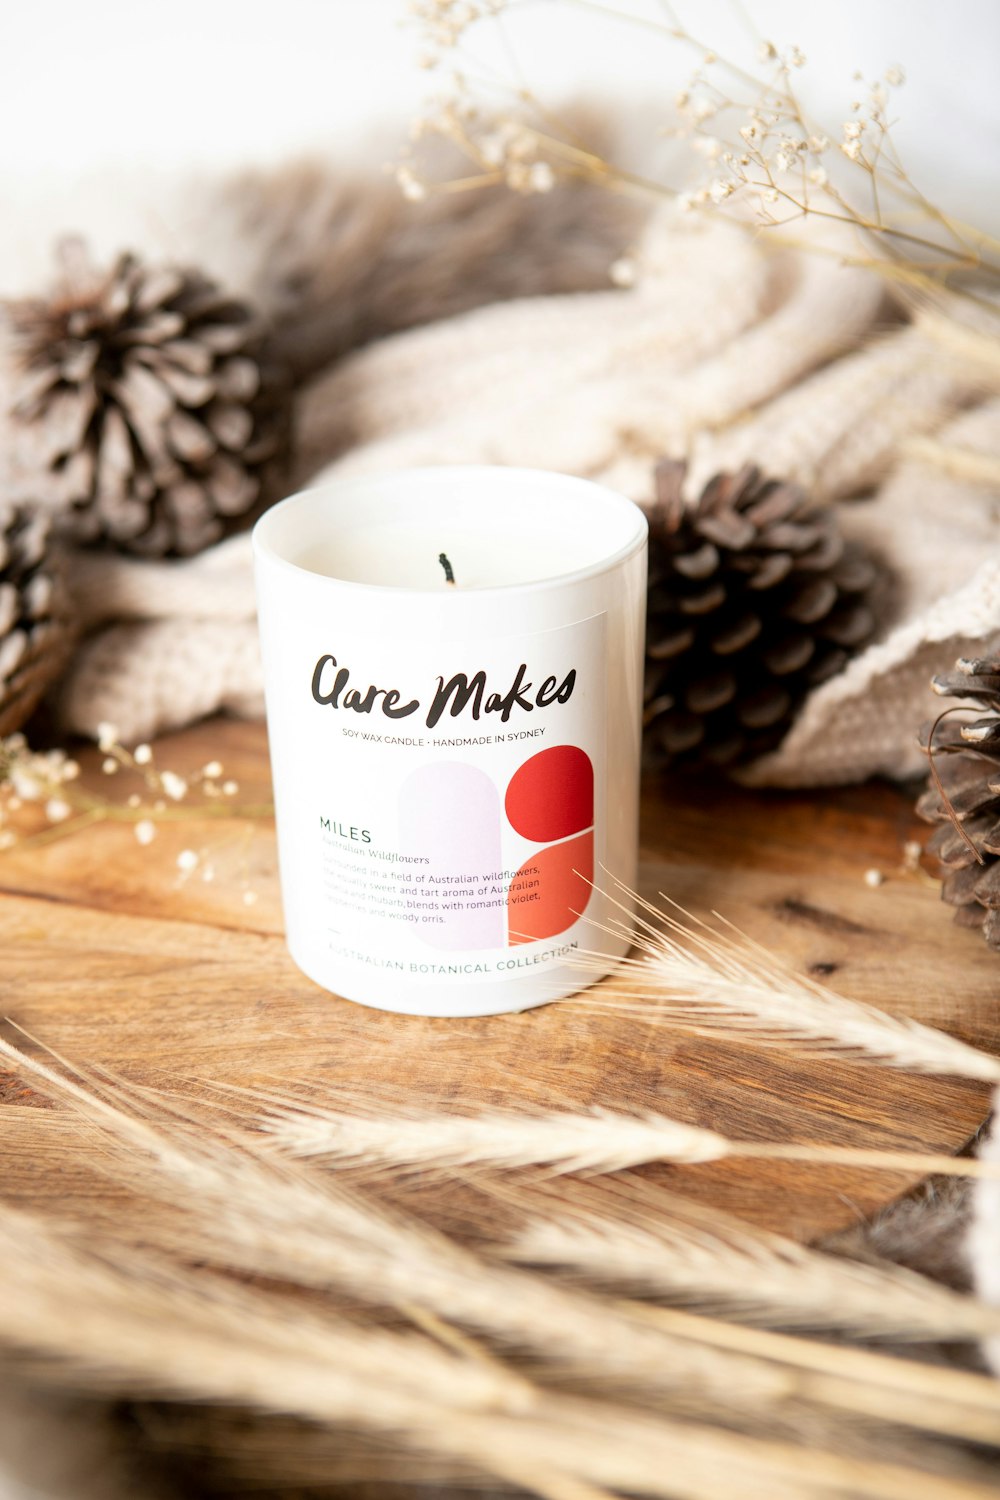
723 351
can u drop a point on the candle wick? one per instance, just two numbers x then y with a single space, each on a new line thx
449 574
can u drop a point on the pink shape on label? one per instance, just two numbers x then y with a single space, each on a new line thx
450 813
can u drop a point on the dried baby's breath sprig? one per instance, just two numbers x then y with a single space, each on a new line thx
754 142
44 798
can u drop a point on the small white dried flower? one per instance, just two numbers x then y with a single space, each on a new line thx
492 149
720 190
188 860
412 188
142 755
852 150
107 735
26 786
912 850
135 800
874 878
623 271
853 129
249 898
771 196
145 831
230 788
541 178
57 810
70 770
894 76
819 176
212 771
708 146
783 160
767 52
797 58
704 109
109 766
817 144
175 786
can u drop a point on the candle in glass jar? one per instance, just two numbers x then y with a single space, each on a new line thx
455 762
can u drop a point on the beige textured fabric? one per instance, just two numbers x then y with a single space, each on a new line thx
721 352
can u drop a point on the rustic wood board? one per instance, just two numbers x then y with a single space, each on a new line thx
109 955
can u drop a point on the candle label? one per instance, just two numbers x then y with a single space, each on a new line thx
456 802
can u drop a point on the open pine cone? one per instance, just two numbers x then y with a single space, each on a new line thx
967 762
754 599
34 635
145 411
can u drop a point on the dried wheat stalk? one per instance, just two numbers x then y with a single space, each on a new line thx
215 1200
137 1325
711 979
600 1140
265 1217
638 1235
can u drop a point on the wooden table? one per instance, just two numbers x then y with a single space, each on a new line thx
112 955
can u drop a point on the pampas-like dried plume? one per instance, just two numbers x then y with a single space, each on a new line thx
224 1205
335 260
715 979
601 1140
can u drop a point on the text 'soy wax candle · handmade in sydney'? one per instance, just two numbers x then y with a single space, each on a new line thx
452 665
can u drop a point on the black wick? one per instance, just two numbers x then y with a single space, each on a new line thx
449 575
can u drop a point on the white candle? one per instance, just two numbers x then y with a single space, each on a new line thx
455 765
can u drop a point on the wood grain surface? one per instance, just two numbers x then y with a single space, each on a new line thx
110 955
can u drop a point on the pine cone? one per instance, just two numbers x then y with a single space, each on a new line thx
754 598
967 761
146 413
34 635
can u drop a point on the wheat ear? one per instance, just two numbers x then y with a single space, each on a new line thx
263 1216
710 979
240 1212
126 1323
637 1235
132 1324
600 1140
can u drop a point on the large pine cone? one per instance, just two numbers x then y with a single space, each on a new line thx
34 635
967 760
146 413
754 599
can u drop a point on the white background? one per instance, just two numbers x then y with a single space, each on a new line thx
101 98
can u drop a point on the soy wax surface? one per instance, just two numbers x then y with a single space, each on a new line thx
402 557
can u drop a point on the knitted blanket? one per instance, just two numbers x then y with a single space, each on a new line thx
722 351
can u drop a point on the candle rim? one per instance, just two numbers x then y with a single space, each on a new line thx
265 549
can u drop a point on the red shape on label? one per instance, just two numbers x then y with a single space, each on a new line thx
550 890
552 794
